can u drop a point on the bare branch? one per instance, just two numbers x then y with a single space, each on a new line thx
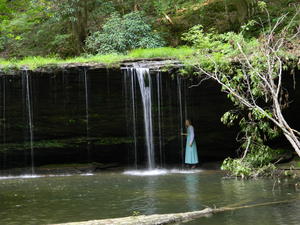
247 148
200 82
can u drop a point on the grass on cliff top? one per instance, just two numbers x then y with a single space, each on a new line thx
166 52
34 62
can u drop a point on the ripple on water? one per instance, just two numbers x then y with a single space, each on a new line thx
29 176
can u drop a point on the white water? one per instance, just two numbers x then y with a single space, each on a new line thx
159 103
4 109
30 118
159 172
4 117
144 80
132 79
27 176
31 176
181 117
130 109
86 92
138 77
86 102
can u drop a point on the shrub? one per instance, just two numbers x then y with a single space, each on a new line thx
123 33
258 162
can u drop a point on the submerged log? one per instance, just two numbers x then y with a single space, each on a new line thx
157 219
164 219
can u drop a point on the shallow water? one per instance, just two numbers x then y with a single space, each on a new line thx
56 199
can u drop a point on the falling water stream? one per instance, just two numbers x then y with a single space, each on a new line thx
30 117
147 113
145 83
130 108
3 122
139 79
132 79
181 116
159 103
86 92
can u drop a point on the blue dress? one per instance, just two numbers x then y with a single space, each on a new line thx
191 155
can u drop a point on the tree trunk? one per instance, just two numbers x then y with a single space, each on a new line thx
173 218
294 142
79 27
287 130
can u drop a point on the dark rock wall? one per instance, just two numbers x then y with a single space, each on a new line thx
64 133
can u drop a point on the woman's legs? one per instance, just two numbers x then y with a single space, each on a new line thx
191 166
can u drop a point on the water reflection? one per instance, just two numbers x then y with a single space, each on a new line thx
111 195
144 197
192 191
150 194
234 193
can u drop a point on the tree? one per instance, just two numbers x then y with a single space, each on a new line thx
123 33
255 85
76 12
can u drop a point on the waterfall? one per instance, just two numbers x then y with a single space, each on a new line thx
132 79
180 117
87 128
138 80
159 104
185 88
144 80
3 122
29 116
141 76
130 109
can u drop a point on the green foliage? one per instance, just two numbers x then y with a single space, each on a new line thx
258 162
34 62
121 34
34 31
136 213
226 56
218 50
270 12
60 27
165 52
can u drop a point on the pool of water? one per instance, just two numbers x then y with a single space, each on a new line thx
57 199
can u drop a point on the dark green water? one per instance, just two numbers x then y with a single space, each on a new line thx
47 200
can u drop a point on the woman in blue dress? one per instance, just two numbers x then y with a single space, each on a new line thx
191 155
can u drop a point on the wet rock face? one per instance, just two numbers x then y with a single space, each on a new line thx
87 117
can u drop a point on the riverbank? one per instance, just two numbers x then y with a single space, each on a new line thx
291 168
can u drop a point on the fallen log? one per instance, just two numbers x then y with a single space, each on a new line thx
165 219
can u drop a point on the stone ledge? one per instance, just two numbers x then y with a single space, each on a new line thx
152 63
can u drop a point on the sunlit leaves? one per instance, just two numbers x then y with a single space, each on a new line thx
262 5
